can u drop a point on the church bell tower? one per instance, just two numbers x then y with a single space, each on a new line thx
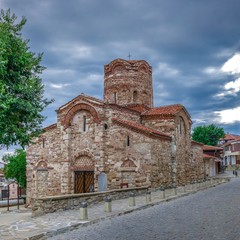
128 82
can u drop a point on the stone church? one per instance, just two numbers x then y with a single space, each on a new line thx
122 141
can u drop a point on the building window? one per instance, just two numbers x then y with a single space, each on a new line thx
84 123
43 143
115 97
135 95
128 141
105 126
181 126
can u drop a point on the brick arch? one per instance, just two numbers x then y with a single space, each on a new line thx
118 67
83 163
115 65
143 68
84 153
41 164
128 164
77 108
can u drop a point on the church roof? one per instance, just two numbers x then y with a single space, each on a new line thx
138 107
170 110
142 129
86 98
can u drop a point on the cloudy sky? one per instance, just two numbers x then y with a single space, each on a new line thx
193 47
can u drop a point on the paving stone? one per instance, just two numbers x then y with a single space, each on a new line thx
20 225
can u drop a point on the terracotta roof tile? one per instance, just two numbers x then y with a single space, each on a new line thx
207 147
230 137
196 143
170 110
232 141
142 128
209 156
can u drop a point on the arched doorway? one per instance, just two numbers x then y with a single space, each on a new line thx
83 174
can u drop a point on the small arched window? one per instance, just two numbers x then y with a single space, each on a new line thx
181 126
115 97
84 123
43 143
135 95
128 141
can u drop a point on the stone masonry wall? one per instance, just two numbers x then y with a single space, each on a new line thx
52 204
135 159
197 161
179 128
43 159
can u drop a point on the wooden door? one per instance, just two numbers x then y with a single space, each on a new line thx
84 181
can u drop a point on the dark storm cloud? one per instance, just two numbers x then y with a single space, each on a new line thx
186 42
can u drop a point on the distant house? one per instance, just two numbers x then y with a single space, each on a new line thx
212 156
3 181
232 152
228 138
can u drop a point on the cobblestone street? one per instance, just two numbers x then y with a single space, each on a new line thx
207 215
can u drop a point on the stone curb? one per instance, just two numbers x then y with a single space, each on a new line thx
46 235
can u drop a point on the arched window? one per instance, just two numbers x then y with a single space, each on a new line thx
43 143
84 123
135 95
182 129
128 141
115 97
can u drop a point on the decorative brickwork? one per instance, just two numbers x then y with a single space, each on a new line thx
128 82
77 108
123 137
83 163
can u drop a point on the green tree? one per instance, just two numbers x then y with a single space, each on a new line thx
208 134
21 88
16 167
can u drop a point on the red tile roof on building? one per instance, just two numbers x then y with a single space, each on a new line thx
196 143
232 141
142 129
209 148
167 111
229 137
207 156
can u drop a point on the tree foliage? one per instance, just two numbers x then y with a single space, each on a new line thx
21 88
16 167
208 134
